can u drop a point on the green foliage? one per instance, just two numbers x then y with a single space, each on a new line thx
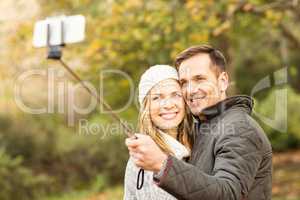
290 138
73 161
19 182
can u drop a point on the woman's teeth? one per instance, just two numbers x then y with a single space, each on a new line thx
168 115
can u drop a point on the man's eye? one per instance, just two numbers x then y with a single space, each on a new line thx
200 78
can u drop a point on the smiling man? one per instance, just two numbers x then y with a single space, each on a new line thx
231 157
203 79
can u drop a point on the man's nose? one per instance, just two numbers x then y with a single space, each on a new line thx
191 89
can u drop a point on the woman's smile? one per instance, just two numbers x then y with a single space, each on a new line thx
168 115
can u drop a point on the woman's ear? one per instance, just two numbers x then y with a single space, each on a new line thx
223 81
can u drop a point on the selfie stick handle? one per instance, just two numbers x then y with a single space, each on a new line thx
55 53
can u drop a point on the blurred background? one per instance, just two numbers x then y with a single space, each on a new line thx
43 157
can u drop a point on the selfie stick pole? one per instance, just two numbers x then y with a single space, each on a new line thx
55 53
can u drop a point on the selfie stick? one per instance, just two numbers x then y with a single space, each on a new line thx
55 53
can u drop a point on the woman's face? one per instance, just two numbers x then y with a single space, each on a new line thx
166 104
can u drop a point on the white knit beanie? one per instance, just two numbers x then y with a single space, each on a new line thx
154 75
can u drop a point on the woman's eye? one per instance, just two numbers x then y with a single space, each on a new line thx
155 98
178 95
183 84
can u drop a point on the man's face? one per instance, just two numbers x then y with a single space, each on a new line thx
200 85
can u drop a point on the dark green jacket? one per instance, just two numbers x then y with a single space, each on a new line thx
231 157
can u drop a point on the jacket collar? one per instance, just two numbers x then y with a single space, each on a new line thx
238 101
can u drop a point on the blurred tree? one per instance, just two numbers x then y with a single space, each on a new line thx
282 140
19 182
257 36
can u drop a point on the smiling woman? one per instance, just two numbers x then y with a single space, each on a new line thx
166 105
162 117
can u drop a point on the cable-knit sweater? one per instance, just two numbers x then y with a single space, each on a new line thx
150 191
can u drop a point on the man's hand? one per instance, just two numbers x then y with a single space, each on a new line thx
145 152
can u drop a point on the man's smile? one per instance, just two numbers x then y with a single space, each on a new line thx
196 98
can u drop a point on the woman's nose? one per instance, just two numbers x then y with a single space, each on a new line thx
168 103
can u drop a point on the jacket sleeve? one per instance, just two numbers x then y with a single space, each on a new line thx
130 181
237 158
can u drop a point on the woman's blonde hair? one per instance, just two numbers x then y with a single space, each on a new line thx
146 126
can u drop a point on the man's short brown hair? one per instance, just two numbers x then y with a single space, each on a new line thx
217 58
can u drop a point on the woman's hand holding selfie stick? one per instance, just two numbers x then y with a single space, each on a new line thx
145 152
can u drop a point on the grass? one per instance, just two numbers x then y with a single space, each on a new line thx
114 193
75 195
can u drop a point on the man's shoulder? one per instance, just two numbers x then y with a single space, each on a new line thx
242 124
239 118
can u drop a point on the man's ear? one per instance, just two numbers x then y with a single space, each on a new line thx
223 81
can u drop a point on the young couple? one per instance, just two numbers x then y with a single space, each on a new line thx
216 152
